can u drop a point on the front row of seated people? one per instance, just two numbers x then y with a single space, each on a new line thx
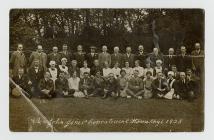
126 82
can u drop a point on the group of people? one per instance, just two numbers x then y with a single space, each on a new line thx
128 75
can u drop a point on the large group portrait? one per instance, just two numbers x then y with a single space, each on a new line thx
106 70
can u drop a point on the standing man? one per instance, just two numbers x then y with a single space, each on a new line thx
129 57
183 61
141 56
91 56
40 56
17 60
169 59
104 56
79 56
154 56
54 56
198 59
65 53
116 57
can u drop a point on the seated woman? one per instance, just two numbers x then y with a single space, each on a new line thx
53 70
135 87
128 69
148 85
158 68
46 87
106 69
171 86
139 68
148 68
84 69
86 84
73 83
63 67
122 84
116 70
111 86
61 84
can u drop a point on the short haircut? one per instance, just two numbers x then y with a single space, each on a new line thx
149 72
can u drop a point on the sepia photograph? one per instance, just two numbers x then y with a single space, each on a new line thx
106 70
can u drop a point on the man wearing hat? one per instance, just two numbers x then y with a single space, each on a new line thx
90 57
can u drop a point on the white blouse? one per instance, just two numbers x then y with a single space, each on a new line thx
83 70
53 73
116 72
106 71
140 69
63 69
73 83
129 72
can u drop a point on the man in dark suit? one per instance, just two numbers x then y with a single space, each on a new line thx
54 56
86 84
79 56
141 56
183 61
90 57
65 53
154 56
169 59
116 57
35 74
185 87
96 68
46 87
61 86
129 57
159 86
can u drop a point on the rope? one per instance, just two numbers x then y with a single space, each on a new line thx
33 105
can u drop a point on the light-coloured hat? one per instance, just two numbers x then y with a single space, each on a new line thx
159 61
64 59
171 73
52 63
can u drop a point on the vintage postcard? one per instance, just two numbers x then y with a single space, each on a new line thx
106 70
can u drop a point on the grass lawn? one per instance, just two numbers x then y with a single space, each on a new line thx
95 114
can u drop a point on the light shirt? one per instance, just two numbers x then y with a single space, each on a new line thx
73 83
65 69
148 69
53 73
116 72
106 71
140 70
129 72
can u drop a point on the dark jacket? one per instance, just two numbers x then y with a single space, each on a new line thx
86 84
117 58
183 62
129 59
34 76
54 57
80 57
46 84
61 85
90 59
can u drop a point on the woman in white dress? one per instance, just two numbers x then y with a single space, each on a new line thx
116 70
158 68
73 83
128 69
84 69
170 82
139 68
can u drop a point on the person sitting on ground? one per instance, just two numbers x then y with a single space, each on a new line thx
128 69
116 70
61 84
171 85
123 84
46 87
99 83
86 84
23 83
148 85
84 69
111 86
139 68
159 86
73 83
135 86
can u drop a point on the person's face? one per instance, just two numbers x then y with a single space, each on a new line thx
123 74
182 76
85 64
20 47
116 49
158 64
21 71
136 73
39 49
128 49
127 64
148 65
116 65
148 76
92 50
174 69
64 47
86 75
170 76
75 74
52 65
197 46
79 48
64 62
171 52
136 63
183 50
104 48
111 76
47 75
61 75
159 75
98 74
140 48
106 64
96 63
74 63
36 63
55 49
